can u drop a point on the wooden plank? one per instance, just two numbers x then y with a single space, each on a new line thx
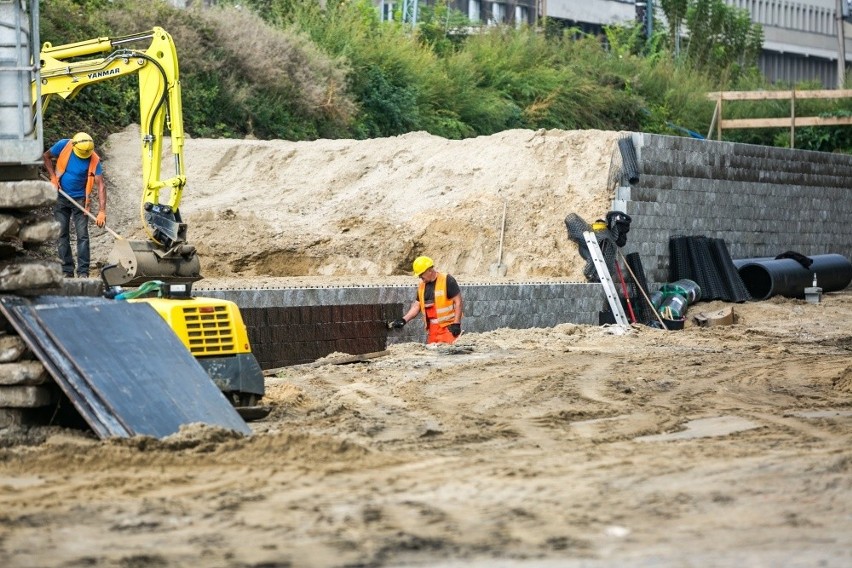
838 94
785 122
342 360
779 95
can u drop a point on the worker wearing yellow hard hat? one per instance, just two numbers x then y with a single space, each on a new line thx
75 173
439 299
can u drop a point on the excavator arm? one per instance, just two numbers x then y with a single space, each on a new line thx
65 71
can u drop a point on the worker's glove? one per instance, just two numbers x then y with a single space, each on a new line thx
55 181
101 220
396 324
455 329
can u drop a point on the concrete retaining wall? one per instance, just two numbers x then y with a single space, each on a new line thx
761 201
487 307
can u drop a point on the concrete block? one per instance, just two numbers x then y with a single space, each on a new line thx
11 417
24 396
11 348
22 373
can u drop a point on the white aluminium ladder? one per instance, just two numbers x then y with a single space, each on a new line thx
605 278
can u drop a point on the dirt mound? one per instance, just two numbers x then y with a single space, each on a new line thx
341 208
574 446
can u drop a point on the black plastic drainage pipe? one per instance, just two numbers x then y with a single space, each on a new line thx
765 278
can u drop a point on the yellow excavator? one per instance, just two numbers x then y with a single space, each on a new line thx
162 268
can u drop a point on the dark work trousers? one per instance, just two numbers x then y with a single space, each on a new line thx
64 212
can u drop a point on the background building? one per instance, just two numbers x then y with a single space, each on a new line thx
515 12
801 36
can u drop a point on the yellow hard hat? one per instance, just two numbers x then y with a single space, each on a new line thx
422 264
83 145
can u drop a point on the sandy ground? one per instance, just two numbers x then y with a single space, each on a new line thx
571 446
575 446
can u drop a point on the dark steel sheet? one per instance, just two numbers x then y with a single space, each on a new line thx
121 365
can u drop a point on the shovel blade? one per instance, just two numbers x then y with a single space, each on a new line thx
498 270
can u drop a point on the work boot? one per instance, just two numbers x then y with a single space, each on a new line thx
68 275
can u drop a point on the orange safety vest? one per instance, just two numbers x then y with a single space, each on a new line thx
62 163
444 312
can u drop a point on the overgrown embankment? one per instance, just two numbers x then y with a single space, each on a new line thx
296 70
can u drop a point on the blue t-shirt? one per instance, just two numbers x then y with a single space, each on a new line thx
73 181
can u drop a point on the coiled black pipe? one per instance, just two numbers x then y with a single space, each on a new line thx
628 160
765 278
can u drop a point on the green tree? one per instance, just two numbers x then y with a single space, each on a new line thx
675 11
723 42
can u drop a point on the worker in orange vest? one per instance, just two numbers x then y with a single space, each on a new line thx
77 170
439 299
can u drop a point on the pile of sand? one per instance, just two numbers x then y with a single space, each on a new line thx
344 208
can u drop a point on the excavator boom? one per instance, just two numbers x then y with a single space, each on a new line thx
65 71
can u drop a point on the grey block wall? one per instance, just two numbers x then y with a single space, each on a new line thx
761 201
486 306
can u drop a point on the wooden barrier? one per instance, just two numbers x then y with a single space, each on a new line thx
792 122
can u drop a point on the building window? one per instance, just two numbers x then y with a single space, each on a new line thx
474 10
498 13
387 9
521 16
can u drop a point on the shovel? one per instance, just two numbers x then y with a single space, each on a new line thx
499 269
88 213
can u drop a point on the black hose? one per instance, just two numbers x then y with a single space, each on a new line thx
629 163
785 277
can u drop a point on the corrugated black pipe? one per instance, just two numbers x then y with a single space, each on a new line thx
786 277
628 160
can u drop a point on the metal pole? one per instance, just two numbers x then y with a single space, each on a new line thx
841 46
793 119
649 18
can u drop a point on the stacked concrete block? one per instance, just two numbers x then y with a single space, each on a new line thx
282 336
24 383
293 325
761 201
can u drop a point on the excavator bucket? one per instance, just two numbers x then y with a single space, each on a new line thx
132 263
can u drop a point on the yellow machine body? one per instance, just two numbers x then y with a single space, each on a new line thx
209 327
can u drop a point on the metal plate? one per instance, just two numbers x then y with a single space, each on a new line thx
122 366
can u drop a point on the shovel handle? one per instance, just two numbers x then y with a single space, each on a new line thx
502 232
83 209
636 280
